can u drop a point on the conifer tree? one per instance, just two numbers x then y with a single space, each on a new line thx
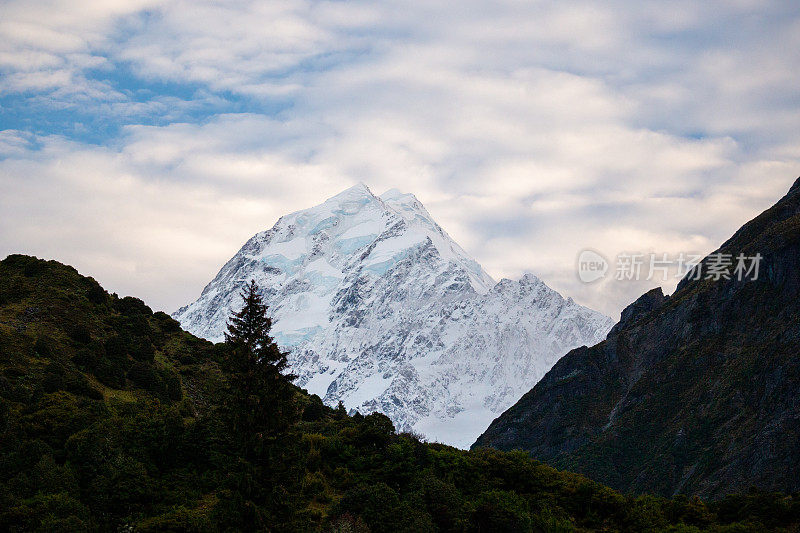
259 406
261 397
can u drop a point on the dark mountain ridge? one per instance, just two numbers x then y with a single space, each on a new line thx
697 393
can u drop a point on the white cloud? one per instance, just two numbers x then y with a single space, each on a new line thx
529 129
14 142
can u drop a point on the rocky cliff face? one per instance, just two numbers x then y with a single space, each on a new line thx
382 310
697 393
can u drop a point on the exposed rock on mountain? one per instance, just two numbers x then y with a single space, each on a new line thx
696 393
382 310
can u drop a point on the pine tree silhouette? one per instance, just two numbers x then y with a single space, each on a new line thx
261 400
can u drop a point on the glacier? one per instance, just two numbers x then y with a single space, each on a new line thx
381 309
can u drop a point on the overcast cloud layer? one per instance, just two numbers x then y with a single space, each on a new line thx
144 141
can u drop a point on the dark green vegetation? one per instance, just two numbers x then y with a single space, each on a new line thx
114 419
695 394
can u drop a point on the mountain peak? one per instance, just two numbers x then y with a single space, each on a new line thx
398 197
391 193
359 190
531 279
381 309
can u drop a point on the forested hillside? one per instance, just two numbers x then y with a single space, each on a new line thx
114 419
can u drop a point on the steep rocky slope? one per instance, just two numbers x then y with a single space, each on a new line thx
696 393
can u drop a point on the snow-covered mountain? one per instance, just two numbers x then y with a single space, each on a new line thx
381 309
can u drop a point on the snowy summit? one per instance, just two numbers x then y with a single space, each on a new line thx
381 309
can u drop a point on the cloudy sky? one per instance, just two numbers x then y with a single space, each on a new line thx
143 141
